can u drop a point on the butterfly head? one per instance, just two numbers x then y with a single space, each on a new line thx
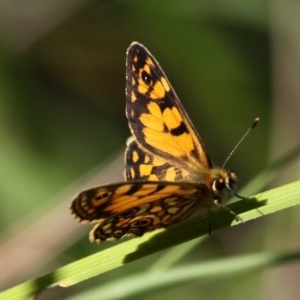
224 184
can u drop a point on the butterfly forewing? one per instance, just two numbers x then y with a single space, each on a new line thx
156 117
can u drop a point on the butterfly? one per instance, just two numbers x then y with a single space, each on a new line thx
169 175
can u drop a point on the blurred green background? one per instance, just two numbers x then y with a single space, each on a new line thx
62 101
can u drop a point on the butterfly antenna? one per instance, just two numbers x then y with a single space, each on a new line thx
241 140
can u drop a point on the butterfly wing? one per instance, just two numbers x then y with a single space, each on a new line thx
156 117
138 207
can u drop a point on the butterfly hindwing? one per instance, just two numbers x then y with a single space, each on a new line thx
138 207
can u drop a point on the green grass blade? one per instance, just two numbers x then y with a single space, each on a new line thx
126 288
257 206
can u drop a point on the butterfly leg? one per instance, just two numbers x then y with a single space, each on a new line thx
209 227
236 216
208 222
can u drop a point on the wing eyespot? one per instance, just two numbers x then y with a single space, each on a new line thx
129 213
146 78
101 195
142 223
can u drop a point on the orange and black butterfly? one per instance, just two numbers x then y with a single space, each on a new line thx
169 175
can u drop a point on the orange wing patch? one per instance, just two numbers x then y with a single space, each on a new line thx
142 165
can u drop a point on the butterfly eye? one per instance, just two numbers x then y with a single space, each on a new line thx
146 78
231 181
218 185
